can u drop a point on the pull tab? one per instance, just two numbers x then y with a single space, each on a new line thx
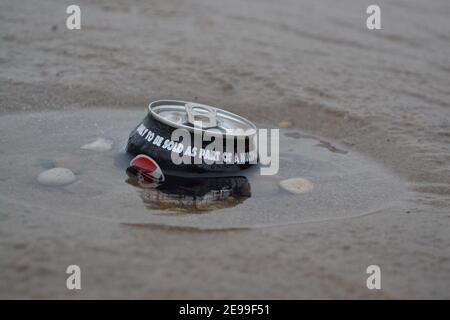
201 116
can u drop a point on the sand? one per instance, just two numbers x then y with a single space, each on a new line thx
380 95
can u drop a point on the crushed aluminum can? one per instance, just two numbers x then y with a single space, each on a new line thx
153 137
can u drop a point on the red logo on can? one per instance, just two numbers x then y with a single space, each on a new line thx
149 172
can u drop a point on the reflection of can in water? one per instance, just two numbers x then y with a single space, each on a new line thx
234 137
190 194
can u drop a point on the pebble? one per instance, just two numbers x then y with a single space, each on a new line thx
99 145
56 177
297 185
284 124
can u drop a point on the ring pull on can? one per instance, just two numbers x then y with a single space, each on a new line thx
201 115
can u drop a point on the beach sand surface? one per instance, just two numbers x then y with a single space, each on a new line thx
381 95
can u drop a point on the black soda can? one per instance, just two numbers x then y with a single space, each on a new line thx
194 138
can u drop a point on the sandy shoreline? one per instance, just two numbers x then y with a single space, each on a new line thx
384 94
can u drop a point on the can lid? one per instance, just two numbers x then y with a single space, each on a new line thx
194 116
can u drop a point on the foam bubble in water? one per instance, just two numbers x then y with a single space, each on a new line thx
99 145
56 177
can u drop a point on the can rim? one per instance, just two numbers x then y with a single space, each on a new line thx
158 117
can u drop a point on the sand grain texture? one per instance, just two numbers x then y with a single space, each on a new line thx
381 93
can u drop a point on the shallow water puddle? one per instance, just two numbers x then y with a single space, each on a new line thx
338 184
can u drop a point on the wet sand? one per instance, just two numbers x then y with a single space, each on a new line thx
382 96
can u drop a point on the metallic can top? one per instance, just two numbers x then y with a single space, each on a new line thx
194 116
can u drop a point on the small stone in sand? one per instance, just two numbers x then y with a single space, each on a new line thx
56 177
99 145
284 124
297 185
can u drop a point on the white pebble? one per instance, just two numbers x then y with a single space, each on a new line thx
56 177
297 185
99 145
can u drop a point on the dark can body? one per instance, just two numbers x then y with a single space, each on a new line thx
153 137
